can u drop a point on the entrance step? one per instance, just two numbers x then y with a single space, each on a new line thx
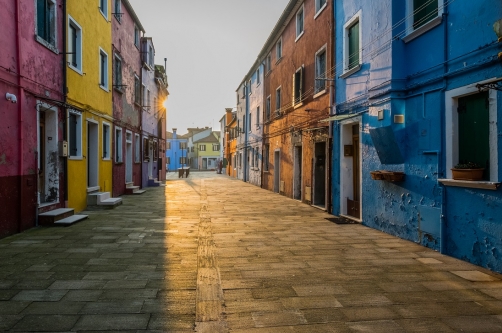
137 192
70 220
102 200
49 218
154 182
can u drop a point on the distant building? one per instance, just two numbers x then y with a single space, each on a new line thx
176 150
208 151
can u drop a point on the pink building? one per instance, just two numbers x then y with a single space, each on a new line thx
32 177
126 38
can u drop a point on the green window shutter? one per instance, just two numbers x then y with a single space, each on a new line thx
473 127
353 45
424 11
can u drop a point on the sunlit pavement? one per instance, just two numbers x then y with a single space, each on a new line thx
213 254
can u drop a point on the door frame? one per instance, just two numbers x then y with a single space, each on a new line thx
346 168
298 172
128 157
94 123
314 178
277 170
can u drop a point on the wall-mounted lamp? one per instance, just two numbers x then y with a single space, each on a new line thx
11 98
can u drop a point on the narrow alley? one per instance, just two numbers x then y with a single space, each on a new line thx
194 257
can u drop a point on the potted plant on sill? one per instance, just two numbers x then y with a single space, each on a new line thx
467 171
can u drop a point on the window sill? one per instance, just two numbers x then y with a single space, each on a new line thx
297 105
106 159
299 36
320 93
104 15
104 88
320 10
350 71
423 29
119 90
93 189
75 158
48 45
268 73
484 185
278 61
76 69
119 163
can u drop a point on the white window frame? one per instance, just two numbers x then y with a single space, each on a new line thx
277 109
412 33
52 43
346 61
258 80
278 50
108 154
78 47
451 127
300 14
119 158
106 78
217 147
202 147
78 134
316 62
137 148
319 8
298 101
105 12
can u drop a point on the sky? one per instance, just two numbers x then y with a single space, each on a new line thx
210 45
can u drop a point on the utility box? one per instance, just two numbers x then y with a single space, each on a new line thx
63 148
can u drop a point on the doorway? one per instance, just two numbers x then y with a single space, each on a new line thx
92 154
297 178
150 159
128 151
350 171
319 199
277 170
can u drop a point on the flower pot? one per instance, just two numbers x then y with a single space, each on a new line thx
467 174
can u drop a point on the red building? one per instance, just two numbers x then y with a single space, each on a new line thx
298 57
126 34
32 62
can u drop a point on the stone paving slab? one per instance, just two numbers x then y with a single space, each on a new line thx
213 254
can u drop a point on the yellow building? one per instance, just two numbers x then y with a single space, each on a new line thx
89 82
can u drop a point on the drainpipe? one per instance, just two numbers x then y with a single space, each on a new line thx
141 147
441 170
65 99
20 116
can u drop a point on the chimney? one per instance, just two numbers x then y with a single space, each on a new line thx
174 130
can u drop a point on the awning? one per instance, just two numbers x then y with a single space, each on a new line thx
339 117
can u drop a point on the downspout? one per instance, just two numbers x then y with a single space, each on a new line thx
65 99
20 116
330 129
141 146
441 170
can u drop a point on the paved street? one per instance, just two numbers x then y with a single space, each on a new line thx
213 254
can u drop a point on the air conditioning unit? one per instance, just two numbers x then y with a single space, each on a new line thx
281 186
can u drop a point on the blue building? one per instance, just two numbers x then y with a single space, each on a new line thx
417 92
176 150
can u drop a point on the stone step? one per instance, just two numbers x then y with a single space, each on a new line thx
137 192
111 202
95 198
52 216
70 220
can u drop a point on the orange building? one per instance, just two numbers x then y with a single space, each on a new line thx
231 142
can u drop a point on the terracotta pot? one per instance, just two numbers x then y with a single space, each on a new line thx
467 174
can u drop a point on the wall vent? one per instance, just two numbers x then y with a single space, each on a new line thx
281 186
308 193
399 119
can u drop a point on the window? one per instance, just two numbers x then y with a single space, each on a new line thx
74 45
268 63
257 116
422 16
183 160
168 145
118 145
192 149
243 123
258 76
202 147
299 23
146 149
240 160
136 36
106 141
249 122
320 70
75 134
298 86
137 91
103 69
155 150
143 94
148 100
266 150
319 5
118 10
278 100
278 50
216 147
352 46
249 87
117 73
46 23
103 8
137 148
150 55
267 108
168 160
243 91
183 145
251 153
